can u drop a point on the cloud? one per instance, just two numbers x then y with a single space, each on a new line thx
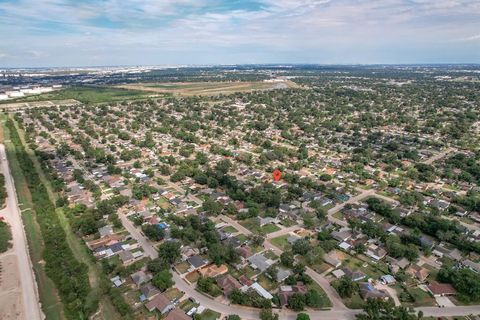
229 31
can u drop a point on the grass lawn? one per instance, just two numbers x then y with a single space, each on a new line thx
182 267
338 215
354 263
173 293
230 229
266 282
355 302
210 315
320 268
193 277
270 255
421 297
242 238
251 224
86 95
187 305
269 228
326 303
288 222
281 242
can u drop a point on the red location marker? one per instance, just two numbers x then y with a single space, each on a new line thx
277 174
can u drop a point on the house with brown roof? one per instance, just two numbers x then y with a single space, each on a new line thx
149 291
177 314
228 283
159 303
418 272
285 292
244 251
441 289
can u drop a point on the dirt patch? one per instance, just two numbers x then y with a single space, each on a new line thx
11 305
209 88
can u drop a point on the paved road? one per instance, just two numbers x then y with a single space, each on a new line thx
31 305
283 231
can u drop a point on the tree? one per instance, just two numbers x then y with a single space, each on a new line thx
153 232
377 309
303 316
287 259
267 314
313 299
345 287
257 240
169 251
233 317
301 246
156 265
297 302
163 280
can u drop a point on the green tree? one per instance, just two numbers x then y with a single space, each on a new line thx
376 309
163 280
267 314
169 251
346 287
303 316
153 232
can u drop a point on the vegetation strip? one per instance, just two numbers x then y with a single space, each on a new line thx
69 275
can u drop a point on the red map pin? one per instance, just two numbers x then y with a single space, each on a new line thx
277 174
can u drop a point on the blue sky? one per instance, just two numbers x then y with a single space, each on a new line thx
154 32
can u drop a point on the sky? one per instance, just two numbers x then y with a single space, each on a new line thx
48 33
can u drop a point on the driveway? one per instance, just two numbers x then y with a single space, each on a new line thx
444 302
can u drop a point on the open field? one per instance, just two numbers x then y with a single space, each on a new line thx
83 94
208 88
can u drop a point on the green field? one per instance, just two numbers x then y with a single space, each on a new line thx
85 95
281 242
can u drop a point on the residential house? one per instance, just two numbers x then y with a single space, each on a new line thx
368 291
341 236
228 283
149 291
160 303
418 272
260 262
261 291
177 314
127 257
441 289
474 266
196 262
375 252
356 275
285 292
105 231
140 277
